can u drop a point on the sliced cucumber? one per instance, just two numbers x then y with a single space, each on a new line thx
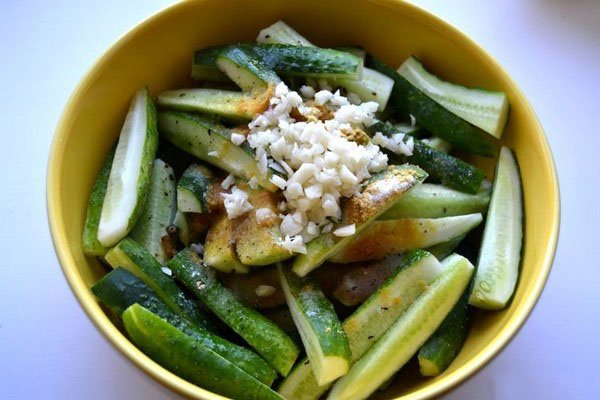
204 67
380 193
90 243
120 289
245 69
393 236
409 100
195 190
225 103
404 338
438 144
183 229
158 212
209 141
130 172
444 345
321 331
450 170
130 255
258 242
219 247
290 60
443 250
371 320
433 201
500 254
484 109
281 33
276 347
189 358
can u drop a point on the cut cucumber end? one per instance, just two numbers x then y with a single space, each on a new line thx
187 201
332 368
428 368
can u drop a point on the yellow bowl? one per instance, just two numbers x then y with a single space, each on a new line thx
158 53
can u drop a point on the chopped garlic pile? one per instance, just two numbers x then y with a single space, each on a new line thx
312 142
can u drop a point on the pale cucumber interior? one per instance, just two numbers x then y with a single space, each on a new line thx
187 201
248 75
301 384
282 33
500 254
484 109
408 333
122 193
182 227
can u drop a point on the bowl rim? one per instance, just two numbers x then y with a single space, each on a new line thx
172 381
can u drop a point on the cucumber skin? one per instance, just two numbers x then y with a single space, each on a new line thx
145 267
383 189
90 243
120 289
450 170
319 313
404 338
187 358
158 211
445 344
199 181
409 100
276 347
238 58
435 201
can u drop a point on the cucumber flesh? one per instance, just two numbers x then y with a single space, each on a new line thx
245 69
500 254
444 345
380 193
282 33
404 338
321 331
393 236
372 319
189 358
434 201
219 247
120 289
90 243
484 109
130 255
195 191
438 144
182 227
274 345
130 172
158 212
209 141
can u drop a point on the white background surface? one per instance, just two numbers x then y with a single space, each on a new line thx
48 347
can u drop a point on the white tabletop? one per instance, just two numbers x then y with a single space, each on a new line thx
48 347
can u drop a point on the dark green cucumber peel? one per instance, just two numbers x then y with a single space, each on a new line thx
198 180
189 359
90 243
120 289
408 100
140 262
263 335
445 344
449 170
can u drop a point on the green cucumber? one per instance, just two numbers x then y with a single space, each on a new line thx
372 319
409 100
380 193
450 170
247 70
195 190
281 33
290 60
183 230
259 242
120 289
404 338
210 141
219 247
158 212
443 250
274 345
500 254
433 201
225 103
484 109
204 67
132 256
320 329
393 236
130 172
90 243
438 144
445 344
190 359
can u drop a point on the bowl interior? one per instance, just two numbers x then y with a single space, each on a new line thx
158 54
